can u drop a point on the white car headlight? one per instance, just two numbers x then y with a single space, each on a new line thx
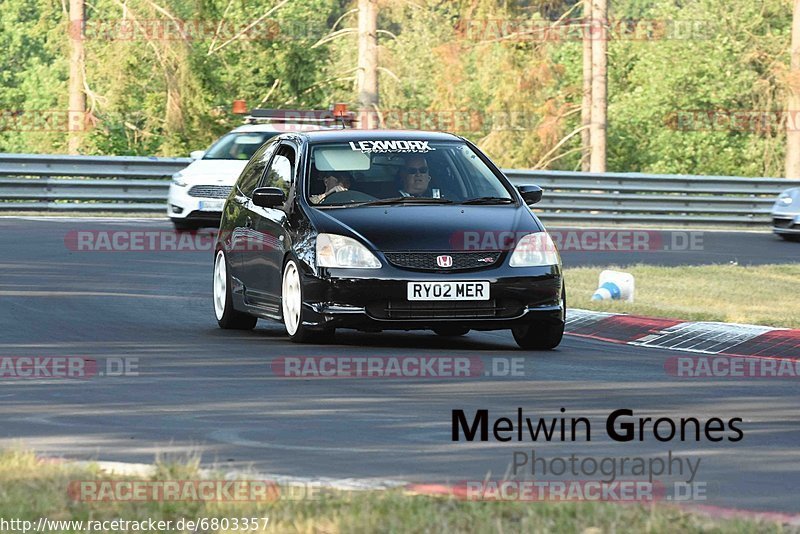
342 252
535 250
179 180
785 200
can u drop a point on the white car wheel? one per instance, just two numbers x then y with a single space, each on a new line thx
226 314
220 285
291 298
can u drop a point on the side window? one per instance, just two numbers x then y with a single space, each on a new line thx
281 170
255 169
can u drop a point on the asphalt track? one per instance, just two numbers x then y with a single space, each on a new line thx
206 391
674 247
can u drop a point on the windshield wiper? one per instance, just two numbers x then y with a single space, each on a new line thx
489 200
406 200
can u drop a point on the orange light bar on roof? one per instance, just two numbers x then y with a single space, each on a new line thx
239 107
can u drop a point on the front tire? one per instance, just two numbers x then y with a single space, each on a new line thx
182 225
292 309
790 237
542 335
227 317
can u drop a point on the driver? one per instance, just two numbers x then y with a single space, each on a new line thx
414 177
335 182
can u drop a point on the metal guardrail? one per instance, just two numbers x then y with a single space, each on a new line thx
139 184
34 182
613 198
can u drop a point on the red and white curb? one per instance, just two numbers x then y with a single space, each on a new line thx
459 492
727 339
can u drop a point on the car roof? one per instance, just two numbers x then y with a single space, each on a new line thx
255 128
275 128
342 136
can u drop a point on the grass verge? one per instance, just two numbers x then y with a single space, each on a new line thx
31 488
765 294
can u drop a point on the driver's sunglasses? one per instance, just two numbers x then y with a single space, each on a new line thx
416 170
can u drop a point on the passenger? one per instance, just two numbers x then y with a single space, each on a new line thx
335 182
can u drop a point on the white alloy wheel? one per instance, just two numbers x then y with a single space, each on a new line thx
220 285
291 298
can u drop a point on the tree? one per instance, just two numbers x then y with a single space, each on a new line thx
793 100
367 58
586 100
77 96
707 100
599 38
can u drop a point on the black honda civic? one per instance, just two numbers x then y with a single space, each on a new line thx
385 230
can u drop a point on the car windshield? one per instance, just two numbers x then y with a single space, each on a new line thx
382 172
238 145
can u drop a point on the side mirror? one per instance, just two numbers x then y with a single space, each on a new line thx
197 154
269 197
531 194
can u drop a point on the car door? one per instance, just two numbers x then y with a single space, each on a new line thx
268 238
237 209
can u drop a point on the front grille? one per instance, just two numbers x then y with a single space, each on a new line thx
780 222
426 261
210 191
461 309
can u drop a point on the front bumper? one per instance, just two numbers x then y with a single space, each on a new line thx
786 223
183 206
518 296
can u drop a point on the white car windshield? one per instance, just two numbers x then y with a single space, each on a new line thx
238 145
388 171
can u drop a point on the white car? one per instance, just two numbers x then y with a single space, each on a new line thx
198 192
786 215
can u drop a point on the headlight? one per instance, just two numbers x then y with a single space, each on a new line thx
785 200
343 252
535 250
179 180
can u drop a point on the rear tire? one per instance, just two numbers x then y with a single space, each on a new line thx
451 331
227 317
293 312
542 335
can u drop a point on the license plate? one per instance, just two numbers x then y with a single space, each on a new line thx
448 291
211 205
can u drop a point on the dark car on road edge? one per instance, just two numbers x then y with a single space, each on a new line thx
420 231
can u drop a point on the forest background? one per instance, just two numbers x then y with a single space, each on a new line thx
694 86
